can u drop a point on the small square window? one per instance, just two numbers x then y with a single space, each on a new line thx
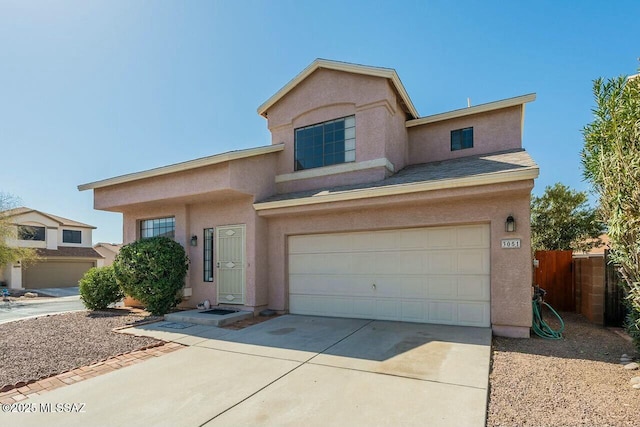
461 139
71 236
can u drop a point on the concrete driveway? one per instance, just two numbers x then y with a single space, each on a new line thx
292 370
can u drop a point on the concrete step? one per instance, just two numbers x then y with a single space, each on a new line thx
200 317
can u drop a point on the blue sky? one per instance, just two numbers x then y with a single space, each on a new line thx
95 89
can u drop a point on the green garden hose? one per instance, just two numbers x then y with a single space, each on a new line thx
540 327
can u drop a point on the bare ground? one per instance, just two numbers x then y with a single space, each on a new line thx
35 348
576 381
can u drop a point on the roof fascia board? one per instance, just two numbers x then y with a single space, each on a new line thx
477 109
386 73
392 190
184 166
53 218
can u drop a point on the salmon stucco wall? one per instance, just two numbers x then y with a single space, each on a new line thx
493 131
192 220
510 287
248 176
327 95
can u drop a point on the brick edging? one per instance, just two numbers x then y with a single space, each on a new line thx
21 390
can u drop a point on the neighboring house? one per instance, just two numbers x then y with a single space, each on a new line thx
358 208
63 246
108 251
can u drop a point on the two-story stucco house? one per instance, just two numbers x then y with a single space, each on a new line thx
63 246
359 207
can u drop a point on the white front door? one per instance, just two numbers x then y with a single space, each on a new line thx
230 263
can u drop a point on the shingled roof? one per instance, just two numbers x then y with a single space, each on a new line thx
69 252
485 165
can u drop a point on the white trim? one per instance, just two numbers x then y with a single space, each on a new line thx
179 167
392 190
386 73
335 169
477 109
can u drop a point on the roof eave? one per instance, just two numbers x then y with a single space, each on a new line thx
392 190
476 109
183 166
386 73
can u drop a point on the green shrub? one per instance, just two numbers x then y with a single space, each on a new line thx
632 325
98 288
152 270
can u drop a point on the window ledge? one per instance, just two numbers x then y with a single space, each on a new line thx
336 169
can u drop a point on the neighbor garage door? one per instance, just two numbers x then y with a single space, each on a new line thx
430 275
54 274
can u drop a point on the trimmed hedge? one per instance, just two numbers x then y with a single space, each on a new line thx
152 270
99 289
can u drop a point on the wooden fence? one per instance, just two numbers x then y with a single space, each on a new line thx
586 284
555 275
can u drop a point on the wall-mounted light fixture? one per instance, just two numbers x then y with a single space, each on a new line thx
510 224
194 240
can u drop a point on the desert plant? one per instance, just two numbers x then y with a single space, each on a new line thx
98 288
8 231
632 324
152 270
611 161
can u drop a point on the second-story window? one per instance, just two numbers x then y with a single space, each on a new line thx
30 232
325 144
461 139
158 227
71 236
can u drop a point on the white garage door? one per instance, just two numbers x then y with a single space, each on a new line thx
429 275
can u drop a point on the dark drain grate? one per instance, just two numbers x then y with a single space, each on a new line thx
219 311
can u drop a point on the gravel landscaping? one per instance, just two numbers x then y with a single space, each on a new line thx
576 381
35 348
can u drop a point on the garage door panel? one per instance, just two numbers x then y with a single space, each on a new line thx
387 309
442 262
436 275
331 285
413 311
440 238
395 286
411 239
473 288
472 313
364 262
473 261
318 243
370 241
318 264
474 236
441 287
363 307
336 263
442 312
410 262
414 287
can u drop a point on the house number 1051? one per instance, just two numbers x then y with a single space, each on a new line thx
510 243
